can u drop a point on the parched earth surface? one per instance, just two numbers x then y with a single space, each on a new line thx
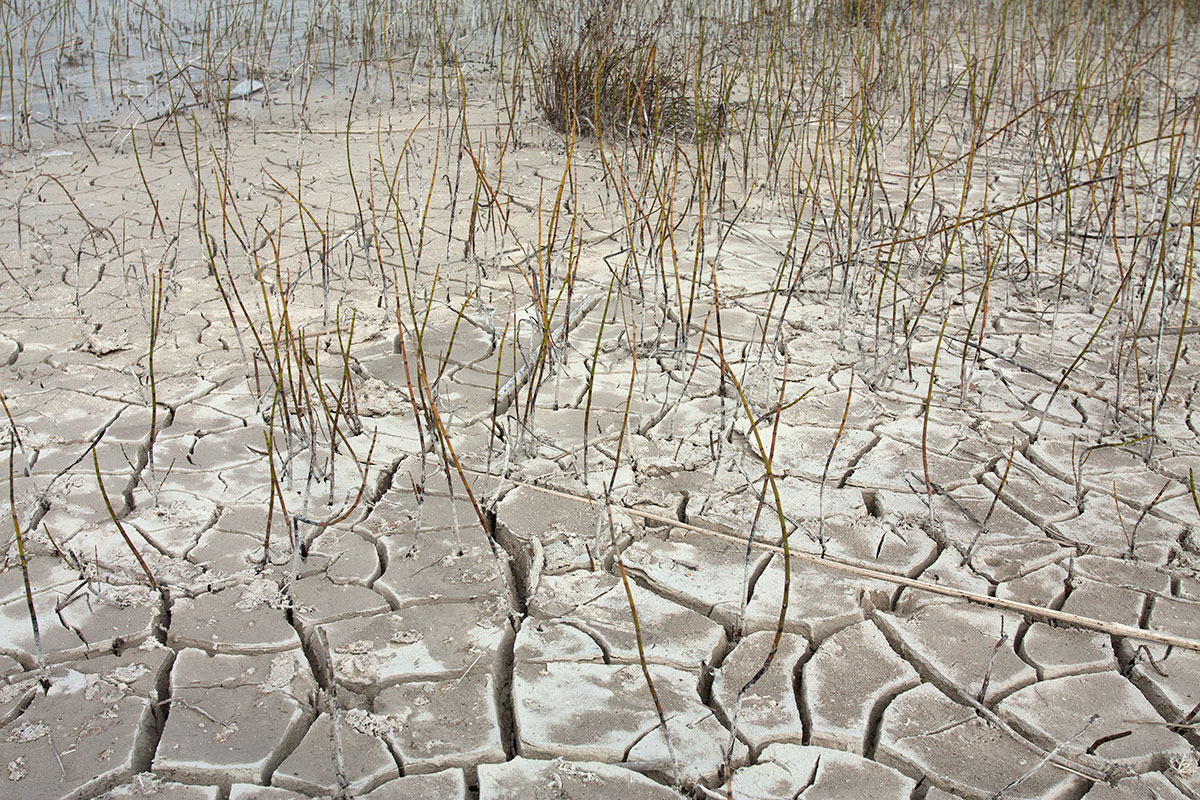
334 614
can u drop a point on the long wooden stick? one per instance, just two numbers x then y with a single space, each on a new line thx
1075 620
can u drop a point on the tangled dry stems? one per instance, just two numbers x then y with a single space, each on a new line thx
611 77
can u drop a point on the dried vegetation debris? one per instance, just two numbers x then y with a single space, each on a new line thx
618 73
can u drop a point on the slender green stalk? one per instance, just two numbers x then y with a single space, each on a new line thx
112 513
29 604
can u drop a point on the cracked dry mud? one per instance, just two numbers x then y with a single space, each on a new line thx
378 638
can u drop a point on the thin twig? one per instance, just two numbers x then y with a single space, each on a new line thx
1075 620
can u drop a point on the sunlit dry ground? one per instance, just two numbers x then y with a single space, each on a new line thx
353 411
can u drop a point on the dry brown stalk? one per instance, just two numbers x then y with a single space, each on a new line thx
1075 620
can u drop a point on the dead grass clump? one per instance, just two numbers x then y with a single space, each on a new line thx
860 12
610 77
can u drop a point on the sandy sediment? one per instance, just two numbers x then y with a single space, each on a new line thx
408 410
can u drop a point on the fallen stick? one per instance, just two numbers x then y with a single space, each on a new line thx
508 392
1076 620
